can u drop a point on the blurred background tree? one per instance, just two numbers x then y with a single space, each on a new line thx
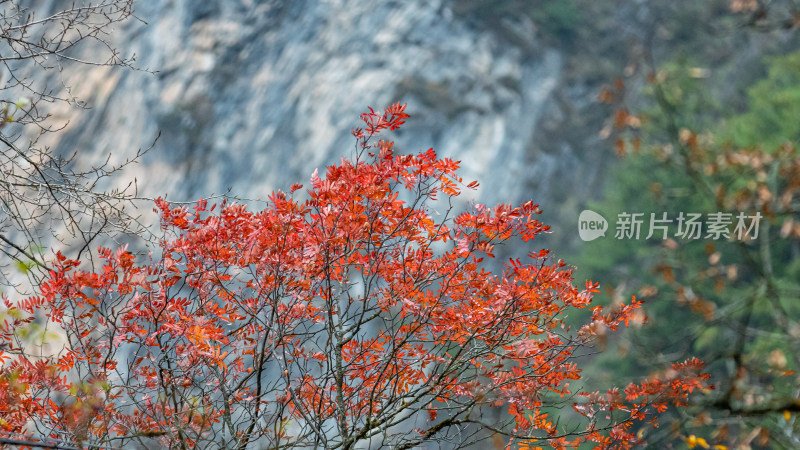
695 147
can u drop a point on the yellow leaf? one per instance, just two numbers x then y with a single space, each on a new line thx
787 415
691 441
702 442
720 447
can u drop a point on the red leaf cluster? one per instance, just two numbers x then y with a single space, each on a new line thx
363 309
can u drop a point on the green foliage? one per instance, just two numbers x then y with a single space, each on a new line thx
773 107
25 266
560 19
729 302
642 184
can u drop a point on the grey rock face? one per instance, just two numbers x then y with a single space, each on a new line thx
253 96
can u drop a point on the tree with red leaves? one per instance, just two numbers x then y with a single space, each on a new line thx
364 315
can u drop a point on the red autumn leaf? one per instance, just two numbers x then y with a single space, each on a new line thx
336 319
